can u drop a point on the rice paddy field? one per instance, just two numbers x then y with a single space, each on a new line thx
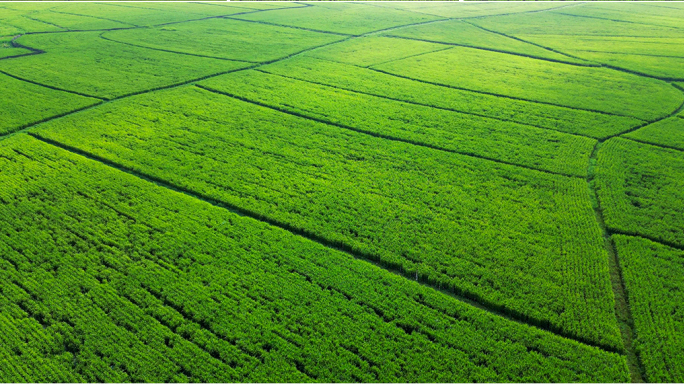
341 192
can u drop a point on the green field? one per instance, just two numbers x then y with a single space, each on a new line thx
341 192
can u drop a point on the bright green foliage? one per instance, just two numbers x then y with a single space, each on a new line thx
24 103
509 142
76 22
668 133
462 33
151 13
635 13
612 44
524 241
228 39
654 278
7 50
641 189
355 19
13 22
366 51
664 67
557 23
568 85
112 69
377 83
465 10
211 296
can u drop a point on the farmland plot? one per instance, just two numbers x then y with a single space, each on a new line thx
653 277
597 89
106 277
508 142
69 21
353 19
227 39
113 69
8 50
366 51
458 32
641 189
465 10
24 103
351 78
13 22
515 238
667 133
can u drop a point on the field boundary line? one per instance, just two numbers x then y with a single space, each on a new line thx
500 95
337 246
618 20
425 105
94 17
493 50
381 135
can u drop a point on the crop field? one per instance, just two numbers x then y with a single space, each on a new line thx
341 192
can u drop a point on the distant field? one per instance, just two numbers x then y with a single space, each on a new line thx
341 192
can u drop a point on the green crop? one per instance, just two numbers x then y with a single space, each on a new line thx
24 103
354 19
654 280
508 142
641 188
109 65
351 78
596 89
489 231
667 133
228 39
208 295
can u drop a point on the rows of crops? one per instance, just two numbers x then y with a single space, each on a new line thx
208 295
347 192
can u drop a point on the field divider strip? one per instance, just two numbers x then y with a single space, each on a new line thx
492 308
380 135
426 105
500 95
94 17
617 20
494 50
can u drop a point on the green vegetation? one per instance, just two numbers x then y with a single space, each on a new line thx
341 192
475 230
665 133
458 32
492 139
24 103
227 39
597 89
8 50
108 64
354 19
209 295
367 81
654 280
366 51
641 188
